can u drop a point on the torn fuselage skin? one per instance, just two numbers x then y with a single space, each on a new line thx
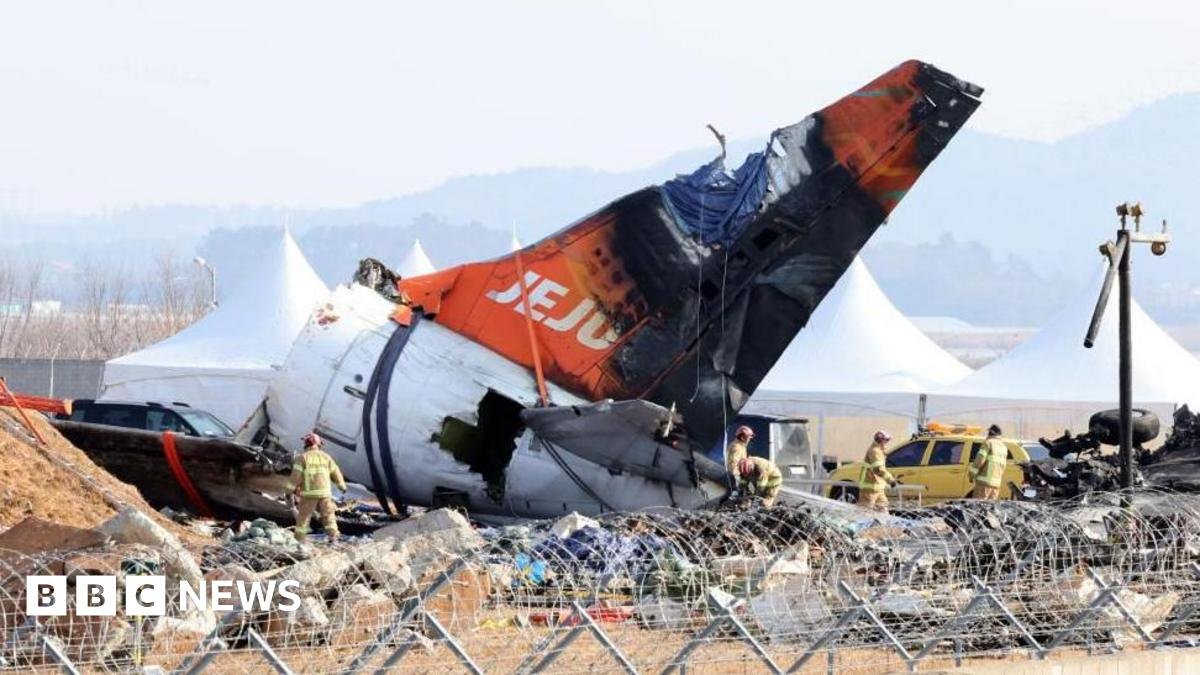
485 439
438 375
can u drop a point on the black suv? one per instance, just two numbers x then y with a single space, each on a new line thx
149 416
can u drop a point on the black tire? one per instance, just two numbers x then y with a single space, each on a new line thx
844 494
1106 424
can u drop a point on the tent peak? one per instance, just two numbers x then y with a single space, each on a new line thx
858 341
415 263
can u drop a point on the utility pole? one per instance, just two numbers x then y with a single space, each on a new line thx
1118 256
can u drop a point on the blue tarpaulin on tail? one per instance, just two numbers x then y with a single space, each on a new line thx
714 205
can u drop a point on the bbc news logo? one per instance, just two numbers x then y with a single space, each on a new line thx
146 595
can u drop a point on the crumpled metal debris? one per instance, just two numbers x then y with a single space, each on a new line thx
1176 465
378 277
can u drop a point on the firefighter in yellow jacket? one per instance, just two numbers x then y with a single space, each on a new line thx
988 468
760 477
873 477
313 475
736 451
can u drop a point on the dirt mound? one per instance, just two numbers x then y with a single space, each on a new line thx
58 482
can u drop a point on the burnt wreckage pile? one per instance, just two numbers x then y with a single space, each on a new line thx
792 573
1176 465
1077 465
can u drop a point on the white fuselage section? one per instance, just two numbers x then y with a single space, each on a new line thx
436 388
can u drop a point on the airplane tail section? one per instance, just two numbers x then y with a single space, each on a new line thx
686 294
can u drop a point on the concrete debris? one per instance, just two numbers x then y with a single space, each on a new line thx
430 522
718 600
789 611
358 614
318 573
233 573
390 571
363 552
307 625
1150 613
568 524
34 535
765 571
430 537
172 635
1093 521
778 569
1073 589
131 526
193 627
795 563
84 563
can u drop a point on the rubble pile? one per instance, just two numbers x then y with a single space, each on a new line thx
1078 464
1184 436
792 568
1176 465
349 591
788 572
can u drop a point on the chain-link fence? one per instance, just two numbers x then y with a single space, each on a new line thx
787 588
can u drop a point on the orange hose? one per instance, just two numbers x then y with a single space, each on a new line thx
181 477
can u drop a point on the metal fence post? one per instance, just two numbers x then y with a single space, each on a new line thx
64 663
417 604
725 615
586 624
272 658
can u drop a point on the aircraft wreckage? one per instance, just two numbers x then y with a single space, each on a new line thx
590 371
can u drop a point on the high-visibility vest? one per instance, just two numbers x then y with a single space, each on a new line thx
867 478
315 469
734 453
994 458
768 475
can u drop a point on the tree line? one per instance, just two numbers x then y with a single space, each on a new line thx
106 310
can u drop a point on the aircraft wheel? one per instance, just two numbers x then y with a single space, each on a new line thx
841 494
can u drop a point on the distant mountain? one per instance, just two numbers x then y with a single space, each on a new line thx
1052 203
1018 215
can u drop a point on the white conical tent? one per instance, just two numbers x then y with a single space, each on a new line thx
857 341
415 262
1053 364
223 362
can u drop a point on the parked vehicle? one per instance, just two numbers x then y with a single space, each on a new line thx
149 416
937 458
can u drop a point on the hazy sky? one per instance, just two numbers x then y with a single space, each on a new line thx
105 105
